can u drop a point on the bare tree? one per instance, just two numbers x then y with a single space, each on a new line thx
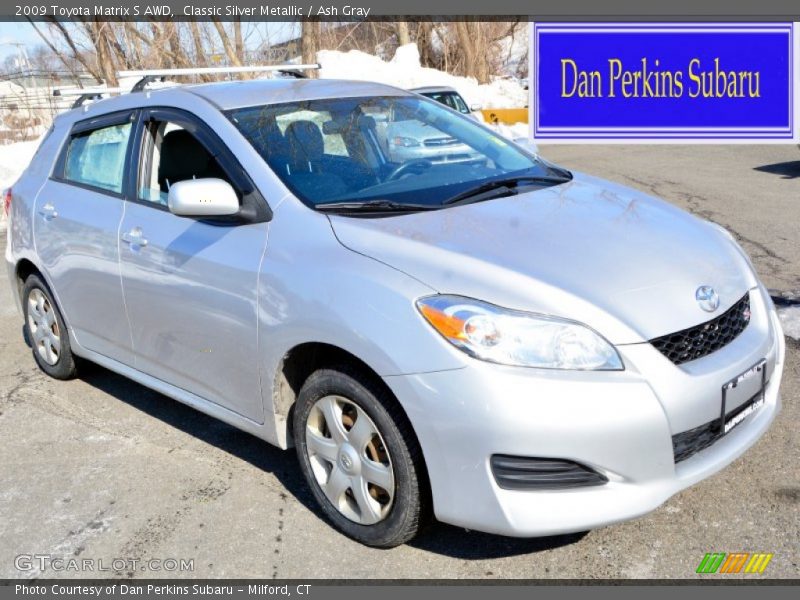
424 39
100 37
403 35
230 51
176 48
310 38
238 40
474 49
199 52
64 60
472 43
73 50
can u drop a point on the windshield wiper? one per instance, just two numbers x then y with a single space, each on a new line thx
501 187
373 206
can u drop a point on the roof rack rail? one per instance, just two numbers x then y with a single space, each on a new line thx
145 81
85 94
148 76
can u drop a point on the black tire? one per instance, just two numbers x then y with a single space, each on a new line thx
410 509
64 367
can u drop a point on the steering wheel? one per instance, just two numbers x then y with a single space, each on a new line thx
418 165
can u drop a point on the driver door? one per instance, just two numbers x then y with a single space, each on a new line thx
190 285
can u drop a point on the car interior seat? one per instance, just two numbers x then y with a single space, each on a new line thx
184 157
306 146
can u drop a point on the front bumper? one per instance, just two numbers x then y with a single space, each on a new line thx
618 423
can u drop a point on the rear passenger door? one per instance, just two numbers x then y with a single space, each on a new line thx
190 285
76 224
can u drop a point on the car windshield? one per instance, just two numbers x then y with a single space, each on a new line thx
451 99
394 151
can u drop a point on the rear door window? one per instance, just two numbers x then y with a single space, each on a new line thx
96 158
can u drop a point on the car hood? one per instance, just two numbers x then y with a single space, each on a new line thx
622 262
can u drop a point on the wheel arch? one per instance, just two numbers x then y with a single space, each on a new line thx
298 364
24 268
305 358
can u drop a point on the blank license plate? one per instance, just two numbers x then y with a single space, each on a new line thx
750 385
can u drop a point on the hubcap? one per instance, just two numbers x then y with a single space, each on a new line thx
43 327
349 459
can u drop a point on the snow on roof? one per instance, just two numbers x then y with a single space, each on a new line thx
9 88
406 71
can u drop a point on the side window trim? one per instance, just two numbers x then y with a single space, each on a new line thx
92 124
141 161
255 208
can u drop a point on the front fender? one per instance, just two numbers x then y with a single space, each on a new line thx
313 289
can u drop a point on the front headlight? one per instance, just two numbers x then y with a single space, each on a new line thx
405 142
517 338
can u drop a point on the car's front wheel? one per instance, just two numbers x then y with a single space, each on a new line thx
360 458
45 330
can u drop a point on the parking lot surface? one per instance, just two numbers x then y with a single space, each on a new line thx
101 468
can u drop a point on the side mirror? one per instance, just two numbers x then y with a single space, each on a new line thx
475 107
202 198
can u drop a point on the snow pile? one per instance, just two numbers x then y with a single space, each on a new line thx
790 320
405 71
517 131
14 159
514 50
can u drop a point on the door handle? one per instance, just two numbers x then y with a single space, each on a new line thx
48 212
135 237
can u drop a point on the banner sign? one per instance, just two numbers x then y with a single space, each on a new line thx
666 81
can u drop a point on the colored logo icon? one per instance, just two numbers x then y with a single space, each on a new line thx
735 562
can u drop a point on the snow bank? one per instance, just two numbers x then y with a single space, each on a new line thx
517 131
14 158
405 71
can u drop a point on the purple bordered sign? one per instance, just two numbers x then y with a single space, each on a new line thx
661 82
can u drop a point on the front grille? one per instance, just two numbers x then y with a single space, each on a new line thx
522 473
701 340
687 444
441 141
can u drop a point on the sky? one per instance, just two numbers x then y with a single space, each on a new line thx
16 32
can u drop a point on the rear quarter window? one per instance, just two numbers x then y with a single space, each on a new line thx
97 158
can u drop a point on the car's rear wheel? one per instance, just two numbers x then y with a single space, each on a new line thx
360 458
45 330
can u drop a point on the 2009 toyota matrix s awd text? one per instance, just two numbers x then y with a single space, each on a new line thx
496 341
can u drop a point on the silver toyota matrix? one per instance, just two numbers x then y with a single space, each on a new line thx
472 334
